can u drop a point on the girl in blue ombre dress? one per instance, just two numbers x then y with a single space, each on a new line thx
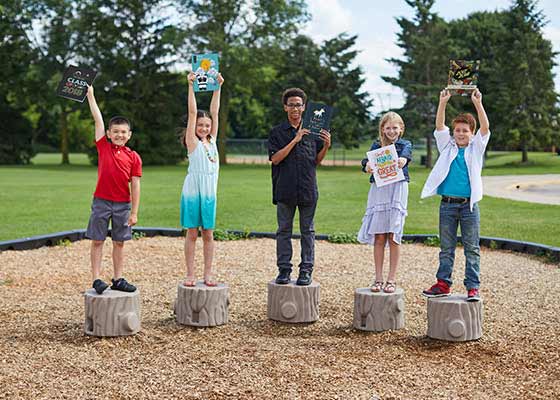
198 198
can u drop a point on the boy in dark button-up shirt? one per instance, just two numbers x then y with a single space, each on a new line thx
295 155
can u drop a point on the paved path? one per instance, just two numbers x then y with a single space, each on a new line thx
544 189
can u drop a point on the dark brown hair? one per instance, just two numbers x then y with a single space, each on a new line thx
185 121
293 92
466 118
119 120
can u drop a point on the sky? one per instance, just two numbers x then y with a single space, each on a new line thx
374 21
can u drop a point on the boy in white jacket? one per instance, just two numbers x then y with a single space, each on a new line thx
457 178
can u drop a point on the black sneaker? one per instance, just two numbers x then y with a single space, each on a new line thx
283 277
304 278
122 285
99 286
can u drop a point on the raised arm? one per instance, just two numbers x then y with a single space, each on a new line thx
96 114
444 97
215 107
191 140
476 98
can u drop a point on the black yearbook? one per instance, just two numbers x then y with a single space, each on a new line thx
75 82
317 116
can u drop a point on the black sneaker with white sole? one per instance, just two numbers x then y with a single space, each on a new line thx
122 285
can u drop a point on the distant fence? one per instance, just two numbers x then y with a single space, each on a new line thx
255 151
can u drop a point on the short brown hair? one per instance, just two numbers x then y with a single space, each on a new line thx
119 120
293 92
466 118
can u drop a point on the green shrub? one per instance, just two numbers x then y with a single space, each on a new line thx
343 238
224 235
138 235
432 241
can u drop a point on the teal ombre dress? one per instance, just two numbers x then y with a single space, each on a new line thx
198 199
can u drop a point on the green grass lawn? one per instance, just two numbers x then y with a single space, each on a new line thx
47 197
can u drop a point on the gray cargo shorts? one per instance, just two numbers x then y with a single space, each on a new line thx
104 210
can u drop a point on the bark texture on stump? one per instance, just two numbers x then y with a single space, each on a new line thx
454 319
202 305
380 311
293 303
112 313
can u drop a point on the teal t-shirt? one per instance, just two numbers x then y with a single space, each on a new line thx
457 183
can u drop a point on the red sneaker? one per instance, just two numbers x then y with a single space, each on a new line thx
440 289
473 295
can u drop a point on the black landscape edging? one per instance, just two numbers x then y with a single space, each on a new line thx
54 239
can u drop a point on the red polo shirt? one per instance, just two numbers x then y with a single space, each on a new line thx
116 167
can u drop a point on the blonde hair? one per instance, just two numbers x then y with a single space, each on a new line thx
390 116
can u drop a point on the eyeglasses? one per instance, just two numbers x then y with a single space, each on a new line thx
292 105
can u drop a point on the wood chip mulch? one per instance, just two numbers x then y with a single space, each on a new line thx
44 353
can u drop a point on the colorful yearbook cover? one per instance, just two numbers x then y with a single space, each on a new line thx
463 76
317 116
206 69
74 83
385 163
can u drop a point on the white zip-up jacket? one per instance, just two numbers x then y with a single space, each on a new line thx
448 150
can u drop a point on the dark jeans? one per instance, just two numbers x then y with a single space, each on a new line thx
285 215
450 216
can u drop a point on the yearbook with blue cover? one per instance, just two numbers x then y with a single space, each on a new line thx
74 83
206 69
317 116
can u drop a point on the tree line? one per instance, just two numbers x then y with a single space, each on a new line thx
141 49
515 77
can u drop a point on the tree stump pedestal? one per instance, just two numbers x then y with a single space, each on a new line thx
454 318
202 305
112 313
292 303
379 311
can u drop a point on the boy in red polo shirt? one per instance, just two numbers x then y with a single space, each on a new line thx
118 175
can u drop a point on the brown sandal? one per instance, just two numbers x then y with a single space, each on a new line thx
390 287
190 282
377 286
210 282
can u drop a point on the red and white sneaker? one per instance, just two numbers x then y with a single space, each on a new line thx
473 295
440 289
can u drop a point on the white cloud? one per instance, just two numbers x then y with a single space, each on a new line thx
553 34
329 18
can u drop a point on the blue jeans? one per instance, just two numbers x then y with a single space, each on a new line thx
450 216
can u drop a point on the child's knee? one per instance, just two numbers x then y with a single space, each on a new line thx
192 234
380 238
207 235
120 245
97 243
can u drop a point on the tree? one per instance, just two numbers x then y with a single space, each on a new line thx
529 93
325 72
133 46
240 30
515 74
16 134
423 71
343 89
480 36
